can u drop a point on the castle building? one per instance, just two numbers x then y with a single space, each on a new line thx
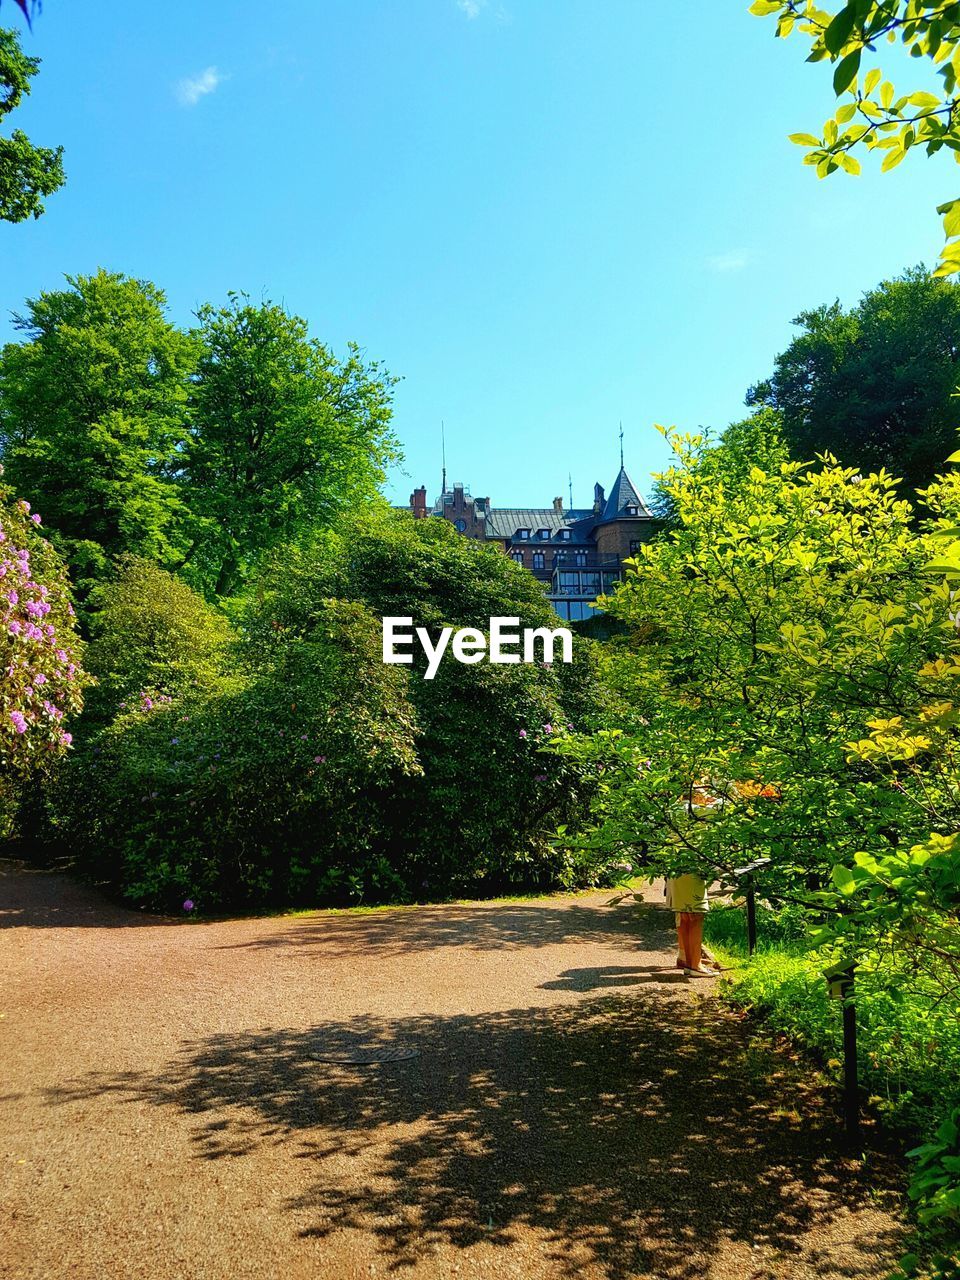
576 554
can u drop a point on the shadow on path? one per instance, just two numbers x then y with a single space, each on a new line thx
482 927
632 1135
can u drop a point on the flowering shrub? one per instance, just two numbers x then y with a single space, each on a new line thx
39 647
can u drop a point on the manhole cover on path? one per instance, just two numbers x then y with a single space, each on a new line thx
360 1054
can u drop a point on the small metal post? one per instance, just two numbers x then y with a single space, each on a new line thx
751 918
851 1092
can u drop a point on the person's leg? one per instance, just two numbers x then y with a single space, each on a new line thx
682 956
693 939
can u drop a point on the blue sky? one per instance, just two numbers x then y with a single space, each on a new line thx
547 216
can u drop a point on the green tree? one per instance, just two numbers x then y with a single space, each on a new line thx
27 173
874 385
756 441
873 115
285 436
93 419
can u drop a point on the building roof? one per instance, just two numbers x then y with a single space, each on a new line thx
623 495
503 522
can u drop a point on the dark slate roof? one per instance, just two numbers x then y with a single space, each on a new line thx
623 495
503 522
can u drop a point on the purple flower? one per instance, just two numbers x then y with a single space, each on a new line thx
35 518
569 728
319 759
19 721
523 733
188 905
14 628
13 597
548 728
539 777
66 738
39 678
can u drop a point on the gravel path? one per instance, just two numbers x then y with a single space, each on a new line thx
551 1101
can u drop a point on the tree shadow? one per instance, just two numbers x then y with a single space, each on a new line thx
39 898
478 926
632 1136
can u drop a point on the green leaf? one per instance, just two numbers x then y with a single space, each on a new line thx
804 139
838 32
872 80
842 877
892 158
846 71
926 101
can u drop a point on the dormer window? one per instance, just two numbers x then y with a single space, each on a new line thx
564 535
523 533
543 533
633 511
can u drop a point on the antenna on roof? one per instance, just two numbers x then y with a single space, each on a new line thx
621 444
570 483
443 455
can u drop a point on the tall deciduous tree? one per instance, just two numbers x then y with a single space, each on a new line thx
93 418
285 436
874 385
27 173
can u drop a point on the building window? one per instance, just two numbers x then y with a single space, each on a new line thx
460 525
564 535
517 556
581 558
634 546
543 533
523 533
633 511
538 559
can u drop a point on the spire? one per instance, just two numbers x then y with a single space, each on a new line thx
443 455
621 444
570 483
623 494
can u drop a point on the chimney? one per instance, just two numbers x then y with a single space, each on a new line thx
418 502
598 499
558 504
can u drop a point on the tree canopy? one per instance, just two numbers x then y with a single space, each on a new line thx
93 418
283 436
28 173
875 384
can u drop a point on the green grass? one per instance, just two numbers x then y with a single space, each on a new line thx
908 1044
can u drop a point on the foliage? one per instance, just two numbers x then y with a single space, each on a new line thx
477 813
284 437
154 639
762 638
40 653
872 115
93 419
845 386
908 1050
27 173
756 441
266 788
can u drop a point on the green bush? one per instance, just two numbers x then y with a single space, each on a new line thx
263 789
476 818
154 638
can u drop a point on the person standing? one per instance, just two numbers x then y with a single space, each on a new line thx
687 898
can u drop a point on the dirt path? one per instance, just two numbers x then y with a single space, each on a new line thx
173 1103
